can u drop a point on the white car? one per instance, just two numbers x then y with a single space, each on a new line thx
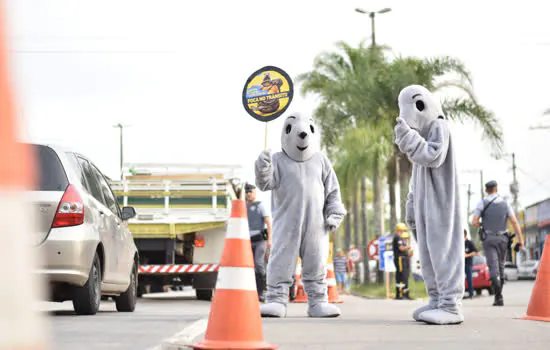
528 269
510 271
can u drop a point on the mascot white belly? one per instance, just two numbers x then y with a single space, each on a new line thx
433 204
306 206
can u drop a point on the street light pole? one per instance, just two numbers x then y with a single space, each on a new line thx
372 15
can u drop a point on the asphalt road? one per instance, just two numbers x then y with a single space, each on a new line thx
364 324
151 322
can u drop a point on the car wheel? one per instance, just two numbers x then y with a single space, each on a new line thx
126 302
86 299
204 294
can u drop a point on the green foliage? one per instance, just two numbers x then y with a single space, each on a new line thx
417 289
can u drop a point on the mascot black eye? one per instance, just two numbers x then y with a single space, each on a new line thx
288 128
312 129
420 105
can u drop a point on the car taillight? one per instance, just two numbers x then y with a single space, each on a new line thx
199 241
70 211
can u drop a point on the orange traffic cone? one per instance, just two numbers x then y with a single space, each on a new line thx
333 296
301 296
22 326
539 305
235 321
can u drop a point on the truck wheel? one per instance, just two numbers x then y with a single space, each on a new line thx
126 302
86 299
204 294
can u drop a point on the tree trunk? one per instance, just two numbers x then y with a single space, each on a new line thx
392 181
347 229
405 170
378 203
364 229
356 216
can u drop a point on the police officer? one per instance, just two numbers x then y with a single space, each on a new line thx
491 216
401 253
260 237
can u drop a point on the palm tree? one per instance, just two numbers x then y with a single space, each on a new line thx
360 87
427 72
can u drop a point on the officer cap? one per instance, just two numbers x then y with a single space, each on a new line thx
491 184
249 188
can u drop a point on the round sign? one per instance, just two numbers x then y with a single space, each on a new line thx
372 249
267 93
354 255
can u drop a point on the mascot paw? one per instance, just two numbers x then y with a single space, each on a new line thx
332 223
273 310
441 317
264 160
323 310
420 310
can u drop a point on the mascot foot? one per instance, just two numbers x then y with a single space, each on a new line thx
439 316
273 310
323 310
417 312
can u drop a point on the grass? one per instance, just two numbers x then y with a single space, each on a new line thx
416 289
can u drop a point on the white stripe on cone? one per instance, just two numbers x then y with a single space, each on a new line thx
236 278
21 326
238 228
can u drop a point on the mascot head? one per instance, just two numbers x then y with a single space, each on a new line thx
419 108
299 138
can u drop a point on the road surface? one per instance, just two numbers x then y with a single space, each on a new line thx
364 324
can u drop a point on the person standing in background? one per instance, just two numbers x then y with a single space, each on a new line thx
259 225
469 250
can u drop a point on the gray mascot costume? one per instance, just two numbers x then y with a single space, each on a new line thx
433 204
306 206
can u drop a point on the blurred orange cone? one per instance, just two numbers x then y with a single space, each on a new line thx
20 326
235 321
539 305
301 296
333 296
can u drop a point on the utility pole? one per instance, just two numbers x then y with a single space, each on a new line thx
121 127
372 15
514 188
481 183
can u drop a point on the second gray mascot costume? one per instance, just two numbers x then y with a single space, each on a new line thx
433 205
306 206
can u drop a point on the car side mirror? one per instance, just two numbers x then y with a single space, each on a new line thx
128 213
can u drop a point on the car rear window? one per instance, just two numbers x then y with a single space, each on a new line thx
478 260
51 175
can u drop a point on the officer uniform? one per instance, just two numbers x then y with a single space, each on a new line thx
402 265
258 236
495 243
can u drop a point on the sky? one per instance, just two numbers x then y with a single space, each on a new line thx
174 72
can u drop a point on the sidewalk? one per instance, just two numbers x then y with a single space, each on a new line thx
388 324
